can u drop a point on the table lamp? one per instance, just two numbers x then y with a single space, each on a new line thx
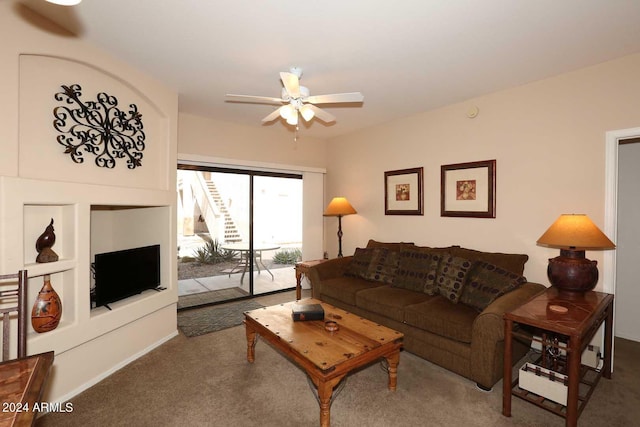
339 207
571 271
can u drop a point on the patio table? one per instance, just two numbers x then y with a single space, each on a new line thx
246 256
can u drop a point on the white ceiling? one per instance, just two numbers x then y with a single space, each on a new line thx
405 56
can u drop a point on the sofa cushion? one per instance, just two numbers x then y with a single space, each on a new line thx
359 263
383 265
486 282
442 251
417 270
451 275
394 246
510 262
388 301
345 288
441 317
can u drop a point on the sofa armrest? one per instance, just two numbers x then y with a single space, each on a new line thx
488 334
327 270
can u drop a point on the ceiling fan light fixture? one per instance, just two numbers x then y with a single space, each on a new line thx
295 99
65 2
307 112
293 119
287 111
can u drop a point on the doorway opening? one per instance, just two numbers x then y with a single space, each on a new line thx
239 233
622 207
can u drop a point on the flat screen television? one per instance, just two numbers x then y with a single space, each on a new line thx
124 273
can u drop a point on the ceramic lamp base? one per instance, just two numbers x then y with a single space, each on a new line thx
572 272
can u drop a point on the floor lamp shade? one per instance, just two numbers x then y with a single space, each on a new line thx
339 206
573 234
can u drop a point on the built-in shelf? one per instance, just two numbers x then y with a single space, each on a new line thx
119 305
63 282
86 220
36 269
36 219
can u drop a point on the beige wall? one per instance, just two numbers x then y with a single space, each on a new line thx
548 138
39 182
268 144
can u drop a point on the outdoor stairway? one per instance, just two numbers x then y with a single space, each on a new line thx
231 232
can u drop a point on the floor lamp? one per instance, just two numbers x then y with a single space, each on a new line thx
339 207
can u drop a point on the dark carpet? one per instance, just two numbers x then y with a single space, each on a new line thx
200 321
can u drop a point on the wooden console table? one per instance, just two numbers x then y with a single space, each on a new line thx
574 318
303 268
21 385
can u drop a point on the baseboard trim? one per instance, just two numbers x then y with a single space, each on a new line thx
115 368
628 337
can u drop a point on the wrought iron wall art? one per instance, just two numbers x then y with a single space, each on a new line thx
98 127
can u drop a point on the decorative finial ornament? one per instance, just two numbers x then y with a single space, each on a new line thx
44 243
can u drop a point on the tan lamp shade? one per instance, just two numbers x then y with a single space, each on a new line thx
575 231
339 206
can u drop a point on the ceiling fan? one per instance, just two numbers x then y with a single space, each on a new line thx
296 99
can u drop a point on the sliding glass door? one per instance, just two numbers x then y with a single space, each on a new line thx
239 233
277 231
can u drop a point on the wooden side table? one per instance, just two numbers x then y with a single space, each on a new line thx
575 318
21 385
301 269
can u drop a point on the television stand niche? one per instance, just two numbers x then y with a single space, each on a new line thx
158 289
584 315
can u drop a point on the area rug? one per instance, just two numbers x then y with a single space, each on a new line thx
200 321
200 298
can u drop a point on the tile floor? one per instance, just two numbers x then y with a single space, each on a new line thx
206 290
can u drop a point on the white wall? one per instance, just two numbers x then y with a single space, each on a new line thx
548 138
628 242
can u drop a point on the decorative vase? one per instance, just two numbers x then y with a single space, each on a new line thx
47 310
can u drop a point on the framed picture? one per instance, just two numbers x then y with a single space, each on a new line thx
403 192
468 189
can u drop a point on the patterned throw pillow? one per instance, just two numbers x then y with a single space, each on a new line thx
384 265
510 262
359 264
486 282
451 275
417 270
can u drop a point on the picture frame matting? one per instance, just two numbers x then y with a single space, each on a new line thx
468 189
403 192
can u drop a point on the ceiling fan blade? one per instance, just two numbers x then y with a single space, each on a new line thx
321 114
335 98
251 98
291 84
274 115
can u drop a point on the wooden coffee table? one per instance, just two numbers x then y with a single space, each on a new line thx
327 357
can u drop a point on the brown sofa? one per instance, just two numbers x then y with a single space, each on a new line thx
385 282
